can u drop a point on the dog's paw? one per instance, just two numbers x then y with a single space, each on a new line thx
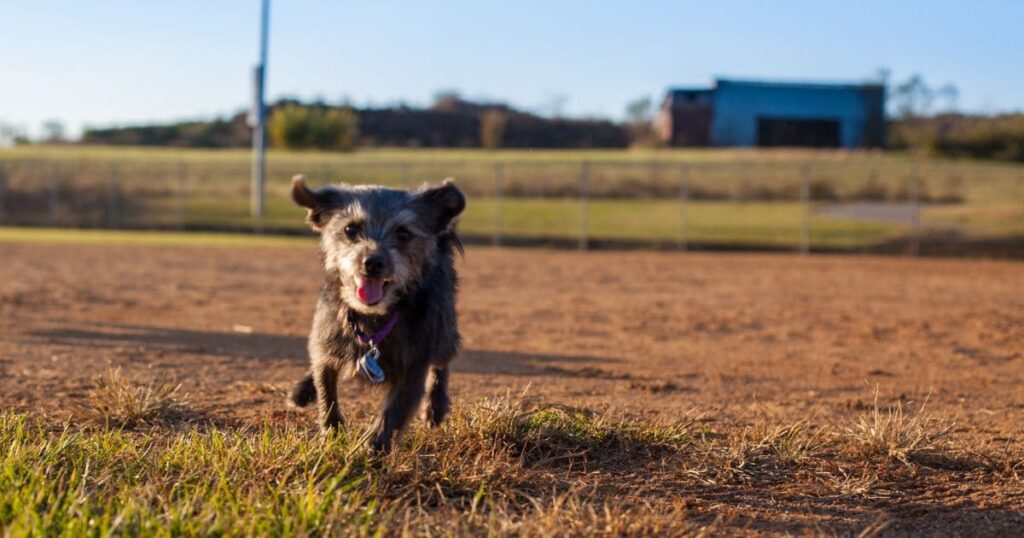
434 416
380 443
303 392
332 425
437 410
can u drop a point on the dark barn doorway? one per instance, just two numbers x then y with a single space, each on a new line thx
791 132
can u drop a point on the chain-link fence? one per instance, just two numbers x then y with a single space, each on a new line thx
792 205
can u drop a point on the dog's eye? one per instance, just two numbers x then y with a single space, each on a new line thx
351 231
403 235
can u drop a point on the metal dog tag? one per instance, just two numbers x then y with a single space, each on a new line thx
369 366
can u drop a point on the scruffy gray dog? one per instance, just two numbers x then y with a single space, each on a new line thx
386 312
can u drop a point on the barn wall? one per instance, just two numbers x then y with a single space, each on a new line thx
737 106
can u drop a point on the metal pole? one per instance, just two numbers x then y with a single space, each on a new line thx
182 194
684 197
585 205
259 135
805 208
499 173
912 189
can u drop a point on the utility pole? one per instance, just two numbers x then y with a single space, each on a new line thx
259 132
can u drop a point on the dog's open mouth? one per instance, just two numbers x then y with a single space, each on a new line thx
371 290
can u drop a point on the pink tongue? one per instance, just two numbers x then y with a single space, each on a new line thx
371 290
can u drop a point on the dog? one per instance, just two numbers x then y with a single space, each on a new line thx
386 310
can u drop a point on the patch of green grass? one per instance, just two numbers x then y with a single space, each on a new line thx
991 218
145 238
496 468
724 223
714 222
540 189
484 472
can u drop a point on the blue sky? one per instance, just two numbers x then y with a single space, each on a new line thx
93 62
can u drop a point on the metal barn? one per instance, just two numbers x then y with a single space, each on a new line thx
745 113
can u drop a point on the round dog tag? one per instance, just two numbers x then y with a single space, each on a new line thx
369 366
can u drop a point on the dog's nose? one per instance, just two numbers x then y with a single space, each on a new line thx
374 265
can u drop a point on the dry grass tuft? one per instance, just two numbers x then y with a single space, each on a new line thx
759 452
498 448
794 443
843 483
895 435
119 401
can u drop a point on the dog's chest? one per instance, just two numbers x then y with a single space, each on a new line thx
393 356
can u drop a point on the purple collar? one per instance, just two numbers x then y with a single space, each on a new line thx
377 337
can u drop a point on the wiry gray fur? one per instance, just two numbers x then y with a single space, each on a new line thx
422 288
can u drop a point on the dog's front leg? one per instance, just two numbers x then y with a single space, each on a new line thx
438 403
402 401
325 378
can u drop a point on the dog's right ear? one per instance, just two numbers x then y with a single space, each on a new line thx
318 202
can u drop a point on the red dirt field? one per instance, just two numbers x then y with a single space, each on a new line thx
735 339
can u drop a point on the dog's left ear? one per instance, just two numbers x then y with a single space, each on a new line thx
441 204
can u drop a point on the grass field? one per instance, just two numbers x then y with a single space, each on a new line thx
597 393
739 197
72 236
498 468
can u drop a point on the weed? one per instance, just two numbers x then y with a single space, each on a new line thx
894 435
117 400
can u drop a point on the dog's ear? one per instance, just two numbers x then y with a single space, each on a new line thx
440 205
318 202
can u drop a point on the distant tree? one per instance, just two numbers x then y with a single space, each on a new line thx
554 105
288 126
492 128
639 110
11 134
335 128
446 99
882 75
914 97
950 95
296 126
640 122
53 132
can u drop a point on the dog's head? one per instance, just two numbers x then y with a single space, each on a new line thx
379 241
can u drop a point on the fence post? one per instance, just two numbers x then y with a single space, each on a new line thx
913 224
585 205
499 173
407 175
3 194
112 189
805 209
54 195
182 194
684 198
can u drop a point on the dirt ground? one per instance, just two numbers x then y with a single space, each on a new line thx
735 338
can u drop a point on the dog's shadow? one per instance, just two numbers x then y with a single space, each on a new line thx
161 341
